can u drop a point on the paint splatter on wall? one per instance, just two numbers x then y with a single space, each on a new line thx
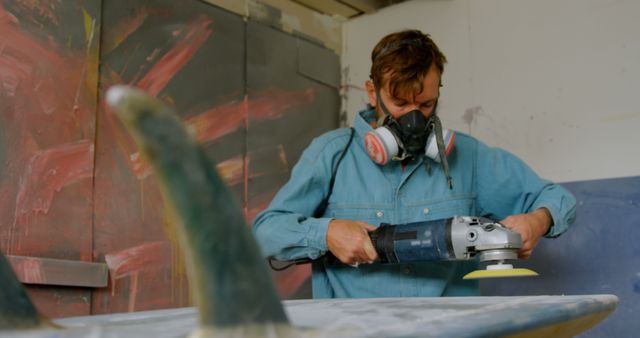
73 185
48 86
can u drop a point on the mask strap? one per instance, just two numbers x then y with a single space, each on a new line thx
440 142
381 104
385 118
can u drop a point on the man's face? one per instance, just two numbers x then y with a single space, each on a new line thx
425 101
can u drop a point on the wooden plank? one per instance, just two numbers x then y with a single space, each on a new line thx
367 6
330 7
49 271
235 6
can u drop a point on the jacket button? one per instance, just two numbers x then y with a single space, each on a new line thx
379 214
407 270
425 211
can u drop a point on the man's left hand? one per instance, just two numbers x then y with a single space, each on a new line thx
531 227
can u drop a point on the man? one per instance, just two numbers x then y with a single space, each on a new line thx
310 216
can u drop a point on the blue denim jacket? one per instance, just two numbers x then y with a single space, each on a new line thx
488 182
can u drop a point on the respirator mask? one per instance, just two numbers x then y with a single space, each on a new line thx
410 135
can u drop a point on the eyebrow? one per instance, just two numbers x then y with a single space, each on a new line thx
403 100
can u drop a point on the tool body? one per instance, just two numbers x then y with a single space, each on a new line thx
451 239
456 238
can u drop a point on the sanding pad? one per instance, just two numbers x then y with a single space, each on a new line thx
500 273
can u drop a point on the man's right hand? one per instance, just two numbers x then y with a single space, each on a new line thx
349 241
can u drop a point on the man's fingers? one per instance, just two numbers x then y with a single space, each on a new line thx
367 226
349 241
524 255
370 251
525 252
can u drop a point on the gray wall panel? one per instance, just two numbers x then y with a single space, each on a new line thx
301 107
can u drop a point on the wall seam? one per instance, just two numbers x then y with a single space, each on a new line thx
95 146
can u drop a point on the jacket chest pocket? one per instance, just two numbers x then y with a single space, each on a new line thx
371 215
432 210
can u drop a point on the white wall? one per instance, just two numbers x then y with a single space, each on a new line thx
556 82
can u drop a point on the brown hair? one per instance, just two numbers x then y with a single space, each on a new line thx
407 57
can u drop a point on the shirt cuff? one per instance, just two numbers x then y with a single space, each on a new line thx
559 225
317 236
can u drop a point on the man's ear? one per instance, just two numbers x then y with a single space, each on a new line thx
371 92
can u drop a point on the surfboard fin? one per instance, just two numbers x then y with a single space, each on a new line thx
231 284
16 309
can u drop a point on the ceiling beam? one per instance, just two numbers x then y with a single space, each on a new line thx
366 6
330 7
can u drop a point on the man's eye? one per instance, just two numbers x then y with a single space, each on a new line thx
427 105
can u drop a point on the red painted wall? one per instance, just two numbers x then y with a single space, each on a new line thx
48 86
72 185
